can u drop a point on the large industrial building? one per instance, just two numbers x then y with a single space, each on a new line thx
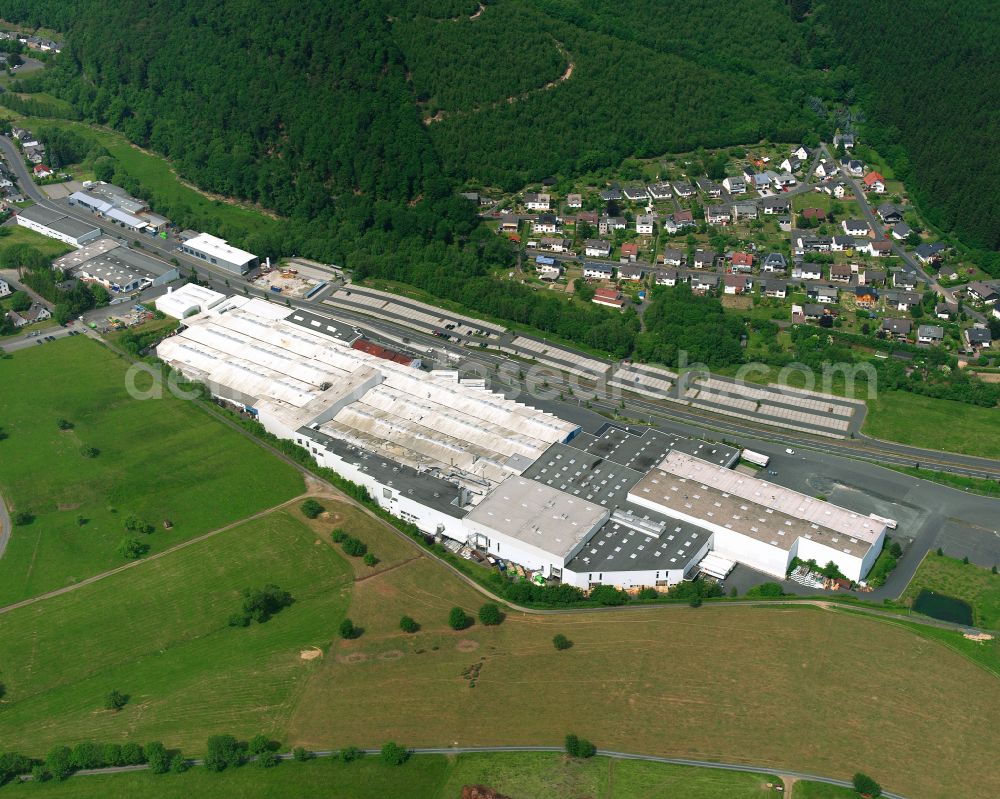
626 506
220 253
120 269
57 225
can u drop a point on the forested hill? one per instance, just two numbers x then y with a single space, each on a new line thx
929 76
357 119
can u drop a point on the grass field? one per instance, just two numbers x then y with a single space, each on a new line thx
934 423
975 485
159 634
520 776
160 459
166 189
12 234
949 576
820 790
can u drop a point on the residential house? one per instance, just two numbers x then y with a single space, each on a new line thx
537 202
845 139
978 337
889 214
590 217
702 284
791 164
41 172
34 154
806 243
597 248
777 204
815 311
596 271
554 244
609 223
852 166
807 271
865 297
896 328
773 287
774 262
509 223
659 191
682 189
717 214
901 300
5 288
841 243
742 262
785 223
611 195
711 189
630 251
986 293
926 253
36 313
546 223
644 224
704 260
905 279
633 274
735 185
635 193
823 169
877 249
801 152
737 284
609 297
824 294
785 180
874 182
574 201
761 180
872 277
748 173
547 268
855 227
744 210
841 190
673 257
900 231
841 273
945 310
667 277
930 334
684 218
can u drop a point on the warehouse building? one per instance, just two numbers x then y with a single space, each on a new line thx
188 300
116 267
57 225
219 252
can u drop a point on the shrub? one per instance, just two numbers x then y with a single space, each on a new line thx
865 785
157 757
86 755
301 754
354 547
39 773
370 560
131 548
223 751
765 590
394 754
59 762
178 764
64 424
490 614
895 550
648 593
338 535
348 630
408 625
132 755
561 642
458 619
259 744
351 753
22 518
608 595
579 747
940 552
89 452
112 755
259 604
267 760
311 508
965 560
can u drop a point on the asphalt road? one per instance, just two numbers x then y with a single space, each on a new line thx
462 750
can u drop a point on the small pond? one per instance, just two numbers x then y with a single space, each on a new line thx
945 608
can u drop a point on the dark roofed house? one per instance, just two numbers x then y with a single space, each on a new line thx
635 193
890 214
929 252
930 334
772 287
704 260
897 328
774 262
984 292
978 337
673 257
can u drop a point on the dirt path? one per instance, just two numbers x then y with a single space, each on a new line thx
5 526
514 98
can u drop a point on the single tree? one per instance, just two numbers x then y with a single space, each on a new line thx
348 630
115 700
178 764
59 762
301 754
131 548
490 614
394 754
223 751
64 424
157 757
351 753
259 744
866 786
370 560
132 754
561 642
458 619
267 760
311 509
408 625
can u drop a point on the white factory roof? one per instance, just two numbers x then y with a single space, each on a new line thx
784 500
181 302
215 247
306 378
536 514
123 216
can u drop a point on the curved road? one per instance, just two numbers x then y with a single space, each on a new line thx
465 750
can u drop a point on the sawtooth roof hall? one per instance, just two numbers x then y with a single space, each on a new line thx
622 506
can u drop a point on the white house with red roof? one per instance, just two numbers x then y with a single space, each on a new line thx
874 182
